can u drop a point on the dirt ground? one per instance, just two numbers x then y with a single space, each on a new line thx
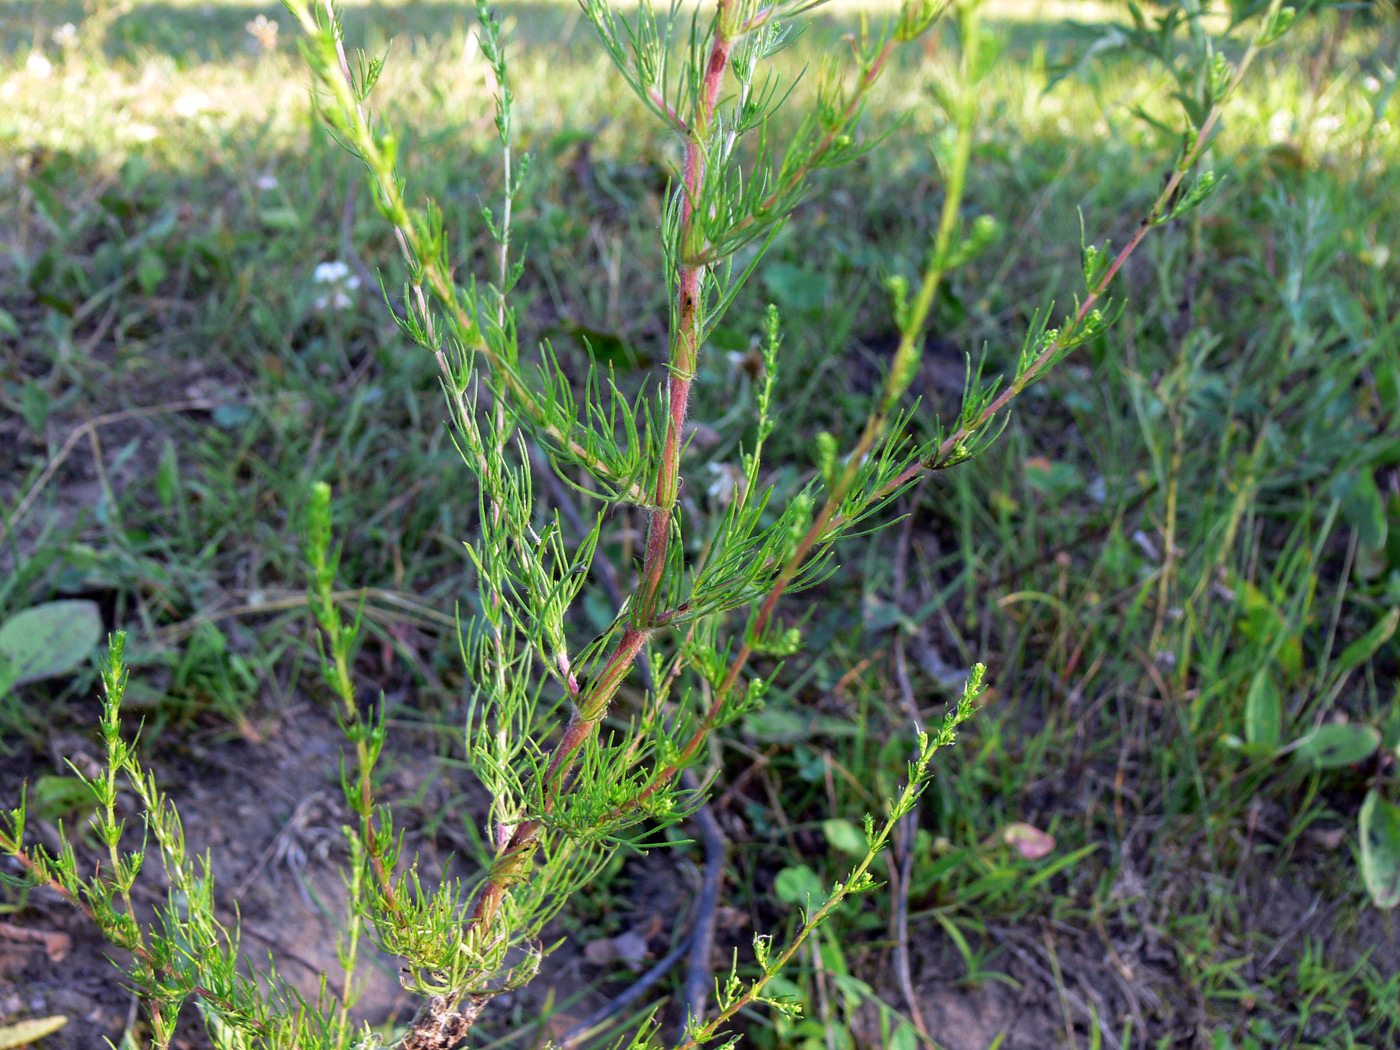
269 812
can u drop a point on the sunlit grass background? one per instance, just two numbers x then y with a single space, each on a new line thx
1210 489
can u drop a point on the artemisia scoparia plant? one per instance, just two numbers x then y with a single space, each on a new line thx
571 777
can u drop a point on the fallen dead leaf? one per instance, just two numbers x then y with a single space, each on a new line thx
1027 840
55 944
628 948
23 1033
1327 838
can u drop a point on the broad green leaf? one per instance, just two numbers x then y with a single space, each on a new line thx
776 723
1338 744
1362 506
795 287
848 983
799 885
1263 710
22 1033
232 415
150 271
1380 849
904 1037
1263 623
845 836
34 406
1052 479
783 990
284 219
1390 735
48 640
1361 650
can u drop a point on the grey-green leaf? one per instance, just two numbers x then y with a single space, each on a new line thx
1361 650
904 1037
845 836
1380 849
48 640
1362 506
23 1033
799 885
1338 744
1263 710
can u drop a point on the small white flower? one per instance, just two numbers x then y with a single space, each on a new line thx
338 301
191 104
1376 256
330 272
1327 125
66 35
728 480
143 132
39 66
266 181
1280 124
264 31
1371 84
340 281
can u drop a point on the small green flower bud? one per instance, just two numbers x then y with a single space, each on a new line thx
826 457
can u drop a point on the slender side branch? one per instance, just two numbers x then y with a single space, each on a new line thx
736 997
513 861
792 180
830 520
426 264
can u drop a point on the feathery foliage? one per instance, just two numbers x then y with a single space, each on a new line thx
570 781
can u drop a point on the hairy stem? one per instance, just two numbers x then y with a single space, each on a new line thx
512 862
685 339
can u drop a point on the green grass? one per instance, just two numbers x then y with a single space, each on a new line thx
1210 489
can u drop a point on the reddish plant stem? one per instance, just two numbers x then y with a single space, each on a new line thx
659 101
513 860
686 346
370 838
828 518
685 341
703 730
867 81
